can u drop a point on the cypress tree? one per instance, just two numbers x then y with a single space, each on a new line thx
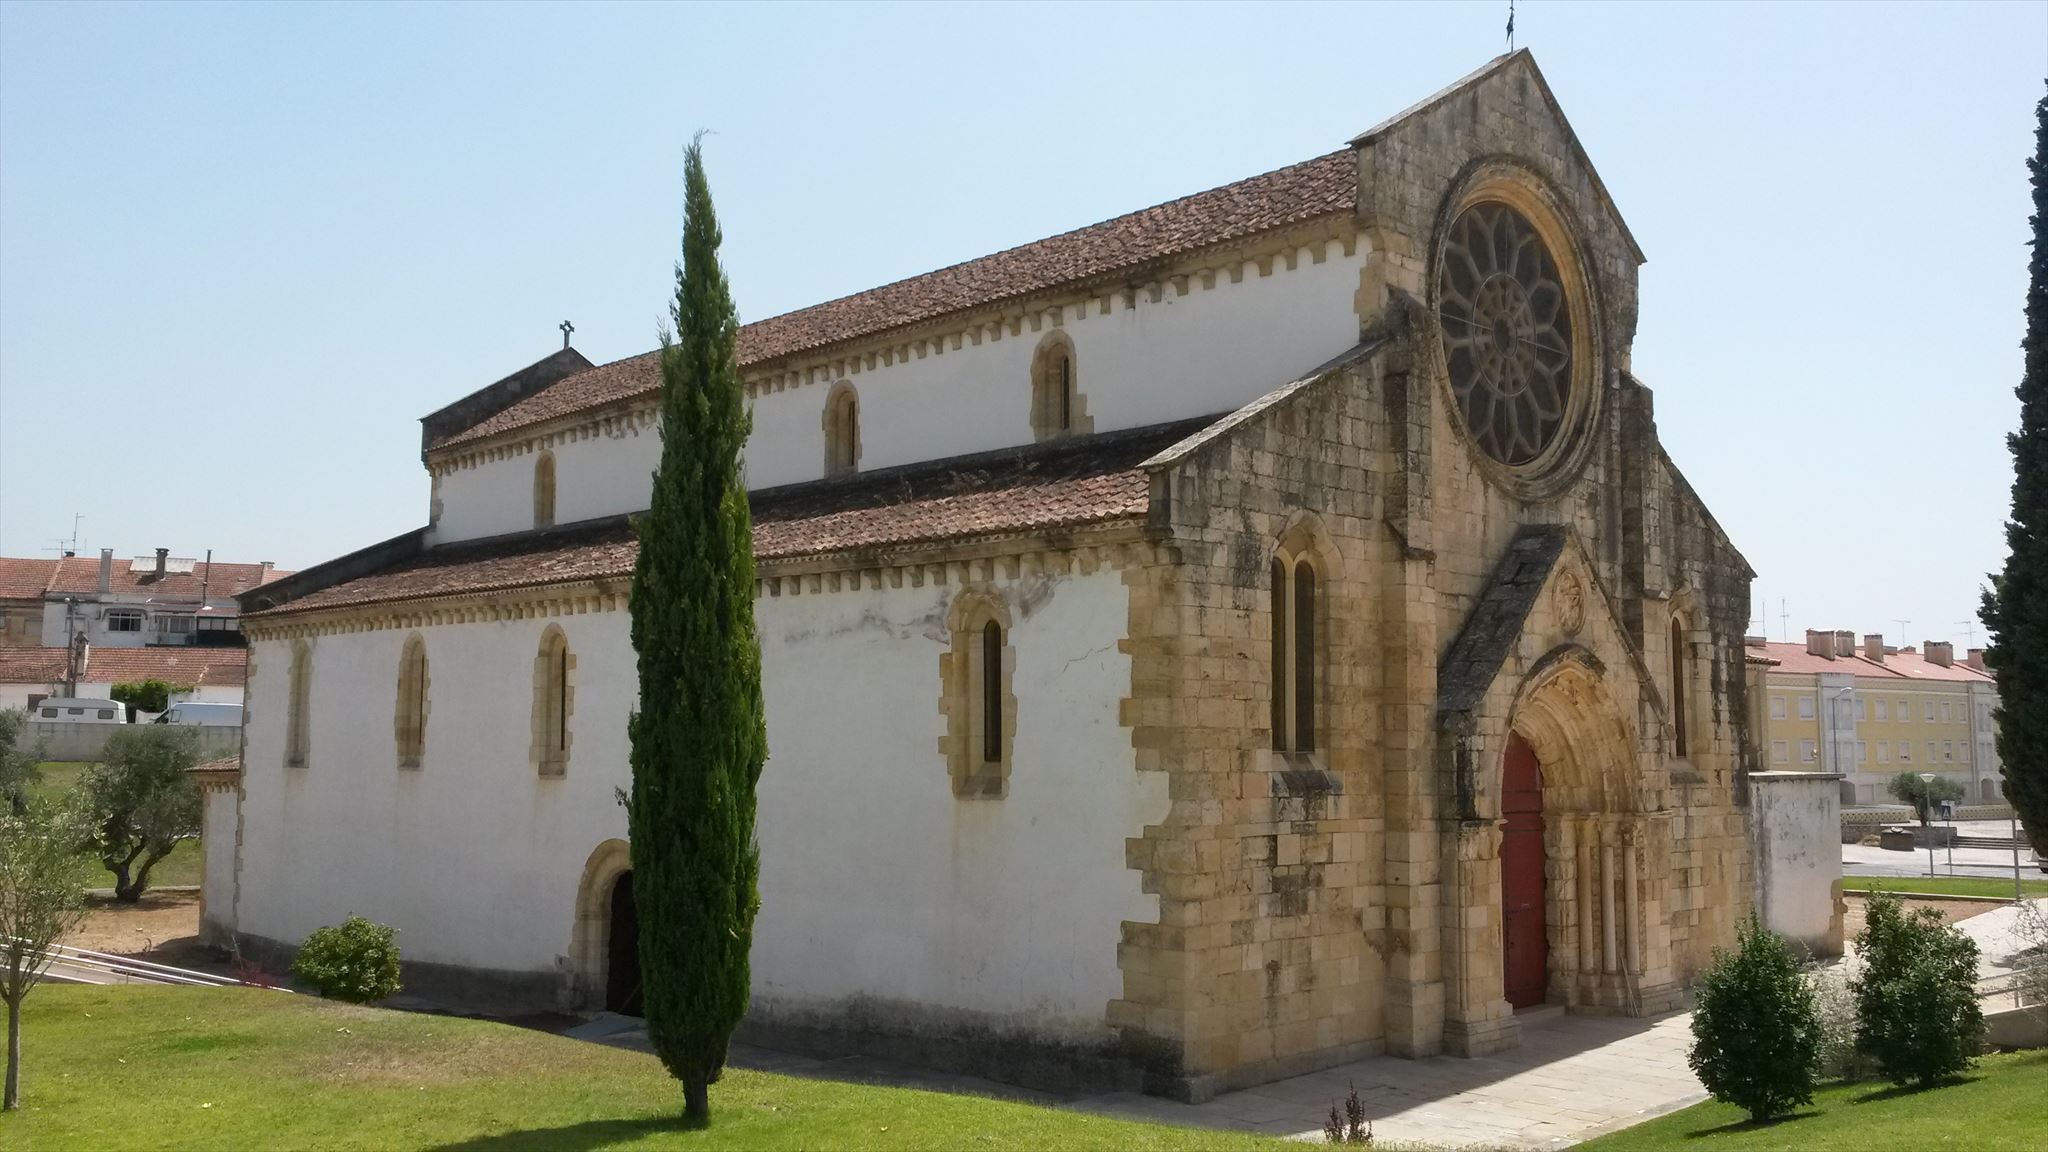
698 736
2016 606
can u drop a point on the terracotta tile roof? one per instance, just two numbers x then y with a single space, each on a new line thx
1794 658
81 574
1916 666
31 665
1324 186
217 667
1069 483
22 579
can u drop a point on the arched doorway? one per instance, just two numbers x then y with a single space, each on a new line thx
606 881
1525 951
622 953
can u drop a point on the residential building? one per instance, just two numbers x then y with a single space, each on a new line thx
1870 711
157 600
1230 639
212 674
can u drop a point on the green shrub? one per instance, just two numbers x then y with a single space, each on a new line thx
354 961
1756 1032
1916 1000
1835 1002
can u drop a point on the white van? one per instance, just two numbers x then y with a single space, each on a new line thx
210 715
77 710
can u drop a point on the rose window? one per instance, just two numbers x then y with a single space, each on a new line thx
1507 333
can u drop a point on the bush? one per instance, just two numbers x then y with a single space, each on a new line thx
1916 1000
1835 1002
354 961
1756 1033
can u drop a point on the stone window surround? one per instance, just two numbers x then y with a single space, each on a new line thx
1305 541
962 669
409 717
1048 421
1504 181
544 490
841 422
298 706
554 702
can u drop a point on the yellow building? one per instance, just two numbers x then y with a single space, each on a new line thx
1870 711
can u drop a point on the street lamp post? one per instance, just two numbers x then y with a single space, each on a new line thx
1925 801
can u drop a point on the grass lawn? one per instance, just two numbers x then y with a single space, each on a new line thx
244 1068
1989 889
182 866
2002 1103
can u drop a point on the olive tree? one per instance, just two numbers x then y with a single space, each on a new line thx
42 898
140 801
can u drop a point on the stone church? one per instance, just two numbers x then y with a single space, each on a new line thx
1234 638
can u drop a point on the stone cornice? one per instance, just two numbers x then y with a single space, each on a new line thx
1121 291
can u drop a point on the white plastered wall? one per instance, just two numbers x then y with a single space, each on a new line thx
876 882
1207 352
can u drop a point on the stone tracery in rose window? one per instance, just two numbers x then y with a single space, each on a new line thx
1506 332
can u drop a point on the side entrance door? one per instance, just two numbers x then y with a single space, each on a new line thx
1525 953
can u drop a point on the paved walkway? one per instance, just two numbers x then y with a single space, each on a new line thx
1574 1077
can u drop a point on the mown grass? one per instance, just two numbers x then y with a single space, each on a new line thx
183 866
2001 1104
153 1068
1983 887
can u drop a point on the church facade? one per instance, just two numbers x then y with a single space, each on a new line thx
1236 638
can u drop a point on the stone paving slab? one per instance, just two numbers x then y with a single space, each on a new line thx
1573 1077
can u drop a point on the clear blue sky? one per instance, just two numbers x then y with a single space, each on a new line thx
244 248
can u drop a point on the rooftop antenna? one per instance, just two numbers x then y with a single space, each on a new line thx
1511 25
63 546
566 328
1902 629
1969 628
1784 629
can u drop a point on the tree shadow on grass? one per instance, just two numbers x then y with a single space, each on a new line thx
1894 1091
587 1136
1747 1125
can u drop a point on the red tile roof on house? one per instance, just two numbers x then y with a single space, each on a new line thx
1324 186
211 667
32 665
1795 659
24 579
80 575
216 667
1068 483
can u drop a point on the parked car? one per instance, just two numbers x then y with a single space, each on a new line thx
79 710
197 712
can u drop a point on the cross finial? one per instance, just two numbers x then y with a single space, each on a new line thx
566 328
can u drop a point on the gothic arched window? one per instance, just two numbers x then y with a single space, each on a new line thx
1056 404
544 490
1297 653
1679 689
410 718
554 701
842 431
297 734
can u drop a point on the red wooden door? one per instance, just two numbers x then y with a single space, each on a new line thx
1525 954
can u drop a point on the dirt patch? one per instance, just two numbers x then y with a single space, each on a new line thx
162 927
1953 910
